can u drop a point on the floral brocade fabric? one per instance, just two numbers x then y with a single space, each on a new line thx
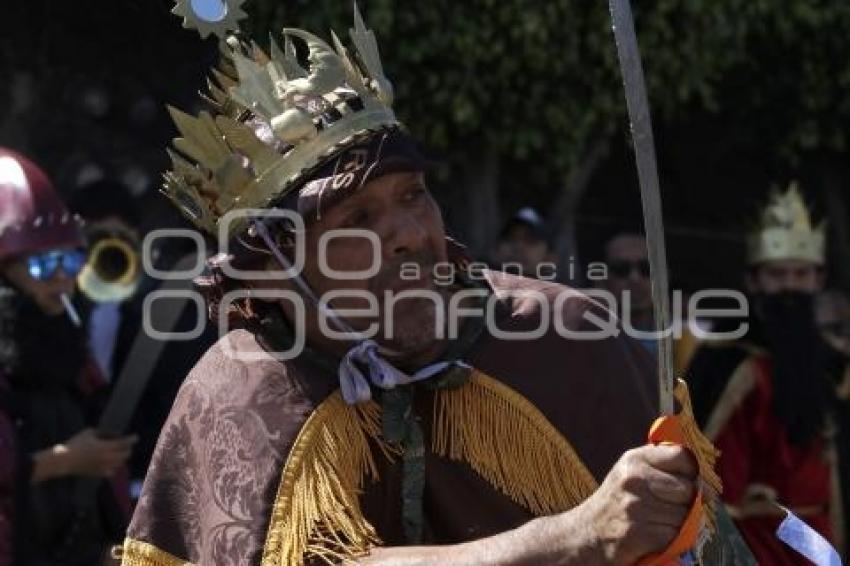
209 495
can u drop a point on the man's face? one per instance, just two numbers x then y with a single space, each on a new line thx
787 275
628 270
399 210
522 245
46 294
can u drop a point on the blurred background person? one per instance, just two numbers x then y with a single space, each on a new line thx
523 247
110 281
627 270
766 400
48 386
114 286
832 312
626 274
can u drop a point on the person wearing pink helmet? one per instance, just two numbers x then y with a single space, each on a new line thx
37 234
46 444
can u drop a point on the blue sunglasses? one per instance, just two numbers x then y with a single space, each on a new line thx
43 266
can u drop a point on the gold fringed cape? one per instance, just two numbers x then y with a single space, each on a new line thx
261 462
497 432
138 553
484 423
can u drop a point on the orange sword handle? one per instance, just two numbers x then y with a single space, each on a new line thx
668 430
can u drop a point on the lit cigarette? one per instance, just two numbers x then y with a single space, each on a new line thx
70 310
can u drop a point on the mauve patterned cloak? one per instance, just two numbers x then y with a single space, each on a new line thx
209 491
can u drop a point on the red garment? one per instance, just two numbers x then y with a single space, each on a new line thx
756 452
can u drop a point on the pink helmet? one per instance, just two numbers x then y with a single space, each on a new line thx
32 217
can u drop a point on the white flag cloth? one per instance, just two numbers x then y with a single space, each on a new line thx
805 540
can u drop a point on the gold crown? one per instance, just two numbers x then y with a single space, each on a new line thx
272 121
786 231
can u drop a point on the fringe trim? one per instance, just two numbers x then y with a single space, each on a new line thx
139 553
704 451
317 512
502 436
511 444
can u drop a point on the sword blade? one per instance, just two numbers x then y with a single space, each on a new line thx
644 145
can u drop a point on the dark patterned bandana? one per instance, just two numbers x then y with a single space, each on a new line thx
390 151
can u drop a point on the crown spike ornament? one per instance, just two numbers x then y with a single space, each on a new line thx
272 119
216 17
785 231
327 70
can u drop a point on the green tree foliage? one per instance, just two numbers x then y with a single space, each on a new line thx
524 78
789 84
534 86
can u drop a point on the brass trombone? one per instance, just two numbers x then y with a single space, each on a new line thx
113 270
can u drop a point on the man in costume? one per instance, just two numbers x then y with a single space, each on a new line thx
47 386
766 400
383 439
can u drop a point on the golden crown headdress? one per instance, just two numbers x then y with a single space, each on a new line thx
272 120
785 231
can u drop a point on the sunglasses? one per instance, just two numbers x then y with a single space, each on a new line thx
43 266
623 268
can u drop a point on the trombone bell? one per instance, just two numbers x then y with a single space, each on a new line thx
113 271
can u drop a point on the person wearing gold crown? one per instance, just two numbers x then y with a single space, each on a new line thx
382 438
765 400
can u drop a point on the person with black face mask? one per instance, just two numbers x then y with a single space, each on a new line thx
46 381
767 399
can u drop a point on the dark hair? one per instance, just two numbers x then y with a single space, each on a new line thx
621 232
101 199
25 332
247 253
214 284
